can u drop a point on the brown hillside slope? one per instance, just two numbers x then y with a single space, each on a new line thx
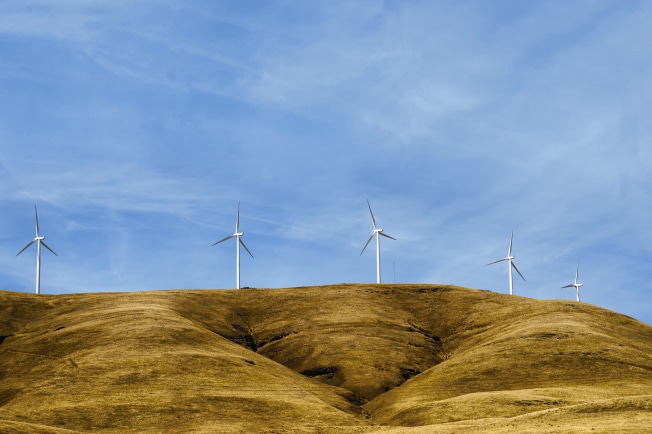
123 362
220 361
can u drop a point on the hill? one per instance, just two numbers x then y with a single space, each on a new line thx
341 358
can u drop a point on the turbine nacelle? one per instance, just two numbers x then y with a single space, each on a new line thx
380 232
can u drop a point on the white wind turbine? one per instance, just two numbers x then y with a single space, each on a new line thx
377 232
238 241
39 241
576 285
511 264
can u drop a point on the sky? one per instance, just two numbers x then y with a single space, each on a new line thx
137 127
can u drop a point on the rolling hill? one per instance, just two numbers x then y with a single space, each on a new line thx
341 358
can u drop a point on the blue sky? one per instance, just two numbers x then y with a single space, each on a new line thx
138 126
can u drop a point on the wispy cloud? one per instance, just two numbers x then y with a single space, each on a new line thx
115 187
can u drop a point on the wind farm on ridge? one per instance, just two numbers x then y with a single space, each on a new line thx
238 234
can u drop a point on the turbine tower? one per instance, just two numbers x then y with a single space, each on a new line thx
39 241
576 285
238 241
511 264
377 232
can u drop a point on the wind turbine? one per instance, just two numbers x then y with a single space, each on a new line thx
238 241
509 259
377 232
39 241
576 285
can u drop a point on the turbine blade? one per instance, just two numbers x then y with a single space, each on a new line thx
48 247
519 273
373 220
510 244
385 235
368 241
224 239
243 245
494 262
568 286
237 219
25 248
36 216
577 271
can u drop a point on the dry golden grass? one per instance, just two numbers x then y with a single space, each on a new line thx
341 358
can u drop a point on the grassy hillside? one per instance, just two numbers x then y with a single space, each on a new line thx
341 358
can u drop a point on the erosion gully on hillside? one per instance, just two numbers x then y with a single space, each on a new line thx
341 357
350 339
